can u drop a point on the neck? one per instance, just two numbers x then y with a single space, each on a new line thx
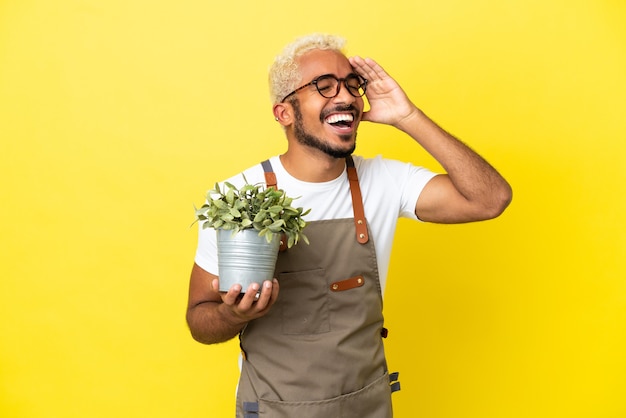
312 167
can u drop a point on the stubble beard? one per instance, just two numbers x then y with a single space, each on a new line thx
313 141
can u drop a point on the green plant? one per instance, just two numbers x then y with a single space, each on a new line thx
268 210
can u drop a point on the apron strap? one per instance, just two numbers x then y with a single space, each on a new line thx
270 177
360 223
357 203
270 181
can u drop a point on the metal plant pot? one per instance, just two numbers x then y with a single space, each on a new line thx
245 258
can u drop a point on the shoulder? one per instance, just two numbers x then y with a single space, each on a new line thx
392 179
381 168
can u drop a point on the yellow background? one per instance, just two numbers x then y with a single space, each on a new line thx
117 115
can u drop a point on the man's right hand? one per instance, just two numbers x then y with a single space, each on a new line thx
214 316
250 305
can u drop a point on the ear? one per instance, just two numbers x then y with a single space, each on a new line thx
283 113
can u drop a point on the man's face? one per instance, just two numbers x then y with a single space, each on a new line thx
328 125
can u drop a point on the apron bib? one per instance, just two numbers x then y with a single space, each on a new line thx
319 351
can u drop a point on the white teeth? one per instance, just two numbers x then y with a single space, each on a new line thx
339 117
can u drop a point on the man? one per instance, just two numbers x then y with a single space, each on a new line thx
311 343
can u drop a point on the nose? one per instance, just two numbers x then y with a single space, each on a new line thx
344 96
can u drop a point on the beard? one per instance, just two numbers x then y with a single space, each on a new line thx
310 140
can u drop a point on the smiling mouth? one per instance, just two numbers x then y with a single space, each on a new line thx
340 120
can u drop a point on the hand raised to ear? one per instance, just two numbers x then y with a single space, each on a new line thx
388 102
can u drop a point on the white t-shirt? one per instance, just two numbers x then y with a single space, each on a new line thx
390 190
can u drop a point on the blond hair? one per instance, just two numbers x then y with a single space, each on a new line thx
284 74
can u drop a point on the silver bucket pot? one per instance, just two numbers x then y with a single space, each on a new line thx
245 258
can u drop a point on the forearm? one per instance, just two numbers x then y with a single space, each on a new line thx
473 177
210 323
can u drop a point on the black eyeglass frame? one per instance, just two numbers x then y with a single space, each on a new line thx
362 85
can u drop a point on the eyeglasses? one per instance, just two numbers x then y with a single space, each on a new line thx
328 85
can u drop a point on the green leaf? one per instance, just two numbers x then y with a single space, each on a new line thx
276 226
220 204
230 197
260 217
239 204
247 188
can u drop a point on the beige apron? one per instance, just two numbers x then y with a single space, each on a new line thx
319 351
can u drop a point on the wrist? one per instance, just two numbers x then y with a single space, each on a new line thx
412 120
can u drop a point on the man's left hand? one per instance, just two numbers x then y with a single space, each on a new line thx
388 102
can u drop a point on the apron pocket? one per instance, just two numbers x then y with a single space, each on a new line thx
373 401
303 301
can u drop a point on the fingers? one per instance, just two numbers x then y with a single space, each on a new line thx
268 295
231 296
388 103
254 303
368 68
249 298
